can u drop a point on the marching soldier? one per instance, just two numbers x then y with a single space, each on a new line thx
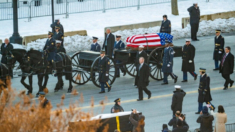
177 99
219 49
50 50
204 94
119 45
166 25
117 107
103 68
188 61
95 46
58 35
59 48
168 63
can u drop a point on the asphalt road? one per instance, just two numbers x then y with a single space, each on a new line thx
156 110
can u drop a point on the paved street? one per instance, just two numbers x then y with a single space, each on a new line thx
157 110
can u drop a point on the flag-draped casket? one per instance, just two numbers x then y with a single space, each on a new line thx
152 40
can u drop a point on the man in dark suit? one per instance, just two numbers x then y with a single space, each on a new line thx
139 54
194 13
95 46
108 43
219 49
226 67
177 99
166 25
143 72
5 51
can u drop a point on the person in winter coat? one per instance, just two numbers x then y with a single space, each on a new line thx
166 25
221 119
95 46
138 125
219 49
205 120
178 116
180 127
117 107
177 99
108 44
188 61
165 128
194 13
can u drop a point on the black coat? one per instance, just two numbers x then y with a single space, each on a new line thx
137 126
188 54
57 25
194 14
205 121
180 129
219 46
110 44
60 49
173 122
50 48
103 69
58 36
204 93
177 100
5 52
117 108
143 75
142 54
166 27
228 64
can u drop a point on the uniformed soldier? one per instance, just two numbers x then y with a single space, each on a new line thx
166 25
117 107
50 50
204 94
219 48
58 24
59 48
168 63
103 68
119 45
95 46
58 35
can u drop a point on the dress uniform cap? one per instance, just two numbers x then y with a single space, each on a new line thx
58 41
102 52
42 93
57 27
187 40
217 30
50 33
141 46
117 100
202 69
118 36
177 86
94 37
167 42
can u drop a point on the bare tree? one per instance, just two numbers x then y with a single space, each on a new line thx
174 7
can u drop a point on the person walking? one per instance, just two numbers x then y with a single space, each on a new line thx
167 67
143 72
221 119
188 61
194 13
108 44
166 25
205 120
226 67
177 99
219 49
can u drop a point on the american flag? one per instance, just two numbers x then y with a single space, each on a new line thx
150 40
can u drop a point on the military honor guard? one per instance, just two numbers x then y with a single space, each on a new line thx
166 25
58 35
6 47
188 61
108 44
177 99
219 49
50 50
103 69
168 63
194 13
59 48
227 66
57 24
117 107
204 93
143 72
95 46
119 45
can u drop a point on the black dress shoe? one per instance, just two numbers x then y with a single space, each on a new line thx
225 88
197 113
109 89
195 78
196 39
164 83
176 79
149 96
124 73
184 81
215 69
231 83
117 75
101 92
139 99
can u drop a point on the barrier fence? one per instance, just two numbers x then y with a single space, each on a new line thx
39 8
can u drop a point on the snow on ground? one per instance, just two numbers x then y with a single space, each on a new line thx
95 22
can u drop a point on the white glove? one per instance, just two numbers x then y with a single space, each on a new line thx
168 65
220 52
190 61
107 74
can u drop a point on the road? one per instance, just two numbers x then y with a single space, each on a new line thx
156 110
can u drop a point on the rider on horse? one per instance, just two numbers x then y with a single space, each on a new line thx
50 50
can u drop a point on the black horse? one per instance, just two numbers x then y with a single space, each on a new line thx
39 65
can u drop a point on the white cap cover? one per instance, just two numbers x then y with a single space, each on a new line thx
58 41
187 39
141 46
177 86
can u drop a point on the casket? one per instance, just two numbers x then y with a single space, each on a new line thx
149 41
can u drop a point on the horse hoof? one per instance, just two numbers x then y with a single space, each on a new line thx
56 90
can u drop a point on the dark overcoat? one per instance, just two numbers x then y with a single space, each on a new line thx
137 126
117 108
204 93
142 54
168 59
60 49
110 44
166 27
103 69
227 66
188 54
5 52
194 14
143 75
57 25
206 121
50 48
119 46
95 47
177 100
59 36
219 46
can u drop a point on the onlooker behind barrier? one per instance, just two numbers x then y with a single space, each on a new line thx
180 127
138 124
221 119
165 128
178 116
205 120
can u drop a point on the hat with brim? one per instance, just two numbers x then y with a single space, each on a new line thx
202 70
117 100
57 27
141 46
118 36
42 93
177 87
102 52
95 37
50 33
217 30
188 40
58 41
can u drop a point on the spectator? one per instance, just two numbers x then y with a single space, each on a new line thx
178 116
180 127
138 125
221 119
165 128
205 120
